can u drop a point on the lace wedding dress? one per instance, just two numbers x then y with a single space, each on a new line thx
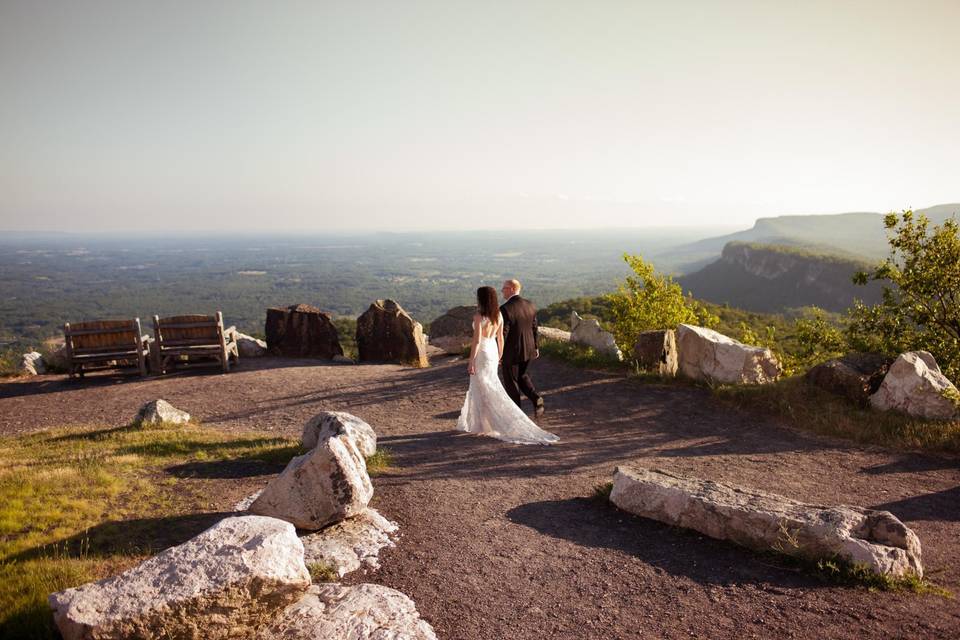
488 410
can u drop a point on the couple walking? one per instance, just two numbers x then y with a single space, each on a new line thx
507 333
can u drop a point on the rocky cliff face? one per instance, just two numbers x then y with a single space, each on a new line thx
772 278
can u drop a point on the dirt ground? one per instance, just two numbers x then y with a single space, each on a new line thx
504 541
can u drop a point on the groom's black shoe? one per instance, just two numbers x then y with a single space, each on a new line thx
539 410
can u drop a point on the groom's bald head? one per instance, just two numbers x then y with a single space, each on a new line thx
511 288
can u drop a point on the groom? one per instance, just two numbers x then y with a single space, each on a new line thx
519 344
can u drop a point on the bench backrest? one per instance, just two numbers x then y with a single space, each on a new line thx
188 330
102 335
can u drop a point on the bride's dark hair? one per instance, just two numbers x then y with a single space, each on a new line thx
487 303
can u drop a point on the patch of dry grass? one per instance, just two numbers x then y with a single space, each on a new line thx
810 408
66 495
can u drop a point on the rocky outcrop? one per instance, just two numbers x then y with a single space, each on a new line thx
348 545
453 331
705 354
765 521
250 347
362 612
549 333
915 385
32 364
326 485
227 582
386 333
160 411
331 424
588 332
656 352
854 376
302 331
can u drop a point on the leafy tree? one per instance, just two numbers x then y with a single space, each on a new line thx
921 307
648 300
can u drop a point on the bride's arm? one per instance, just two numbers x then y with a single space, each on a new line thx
475 344
500 339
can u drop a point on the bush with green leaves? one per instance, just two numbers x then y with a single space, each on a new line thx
921 294
647 301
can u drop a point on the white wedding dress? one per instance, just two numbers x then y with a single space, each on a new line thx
488 410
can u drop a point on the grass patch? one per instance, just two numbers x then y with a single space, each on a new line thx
78 505
810 408
10 363
322 572
580 355
380 462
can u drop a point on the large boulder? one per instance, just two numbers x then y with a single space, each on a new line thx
32 364
361 612
56 356
453 331
330 424
227 582
705 354
250 347
386 333
588 332
550 333
323 486
765 521
159 412
855 376
302 331
656 351
915 385
350 544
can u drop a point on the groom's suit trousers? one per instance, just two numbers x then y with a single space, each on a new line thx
515 380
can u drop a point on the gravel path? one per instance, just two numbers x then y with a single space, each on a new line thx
504 541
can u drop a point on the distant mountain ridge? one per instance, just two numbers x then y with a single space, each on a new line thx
857 234
773 278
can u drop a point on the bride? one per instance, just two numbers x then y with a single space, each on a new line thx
487 409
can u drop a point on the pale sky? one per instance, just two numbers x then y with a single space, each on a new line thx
440 115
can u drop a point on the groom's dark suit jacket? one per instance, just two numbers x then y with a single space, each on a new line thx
519 330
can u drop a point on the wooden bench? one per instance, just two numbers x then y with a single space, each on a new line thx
193 337
105 344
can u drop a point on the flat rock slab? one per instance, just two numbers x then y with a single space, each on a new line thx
768 522
362 612
351 543
321 487
705 354
330 424
230 580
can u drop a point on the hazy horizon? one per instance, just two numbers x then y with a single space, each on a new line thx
432 116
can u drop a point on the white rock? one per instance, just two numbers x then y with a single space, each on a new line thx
915 385
159 411
589 333
230 580
326 485
708 355
350 544
766 521
329 424
362 612
244 504
32 364
250 347
554 334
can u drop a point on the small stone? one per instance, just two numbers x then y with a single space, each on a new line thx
250 347
160 411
